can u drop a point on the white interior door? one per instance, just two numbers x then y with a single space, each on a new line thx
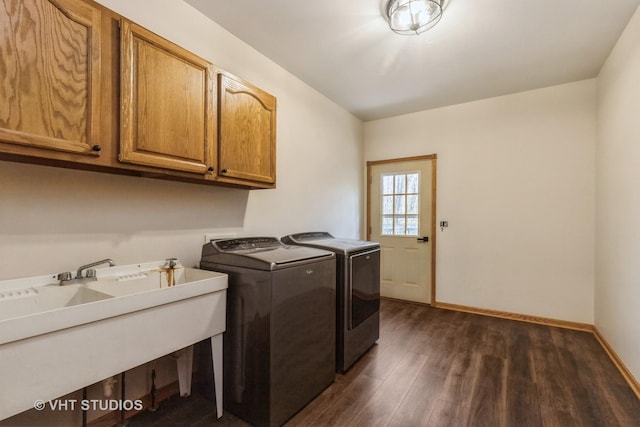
401 218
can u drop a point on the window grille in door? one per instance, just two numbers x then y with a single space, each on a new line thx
400 204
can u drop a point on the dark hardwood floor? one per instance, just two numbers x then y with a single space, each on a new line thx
434 367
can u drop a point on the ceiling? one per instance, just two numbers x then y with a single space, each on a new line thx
479 49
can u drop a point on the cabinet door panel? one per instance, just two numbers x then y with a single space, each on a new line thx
49 84
247 131
167 115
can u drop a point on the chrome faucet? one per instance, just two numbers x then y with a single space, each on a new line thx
90 274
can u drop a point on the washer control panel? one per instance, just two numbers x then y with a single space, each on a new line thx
246 244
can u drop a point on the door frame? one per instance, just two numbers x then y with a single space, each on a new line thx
434 159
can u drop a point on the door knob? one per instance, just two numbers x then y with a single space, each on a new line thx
423 239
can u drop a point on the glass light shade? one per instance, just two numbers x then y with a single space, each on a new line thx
413 16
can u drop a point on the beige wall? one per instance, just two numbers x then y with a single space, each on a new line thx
55 219
516 183
617 288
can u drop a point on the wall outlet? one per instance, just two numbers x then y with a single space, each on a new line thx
209 237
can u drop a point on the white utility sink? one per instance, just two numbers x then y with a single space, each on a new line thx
24 302
55 339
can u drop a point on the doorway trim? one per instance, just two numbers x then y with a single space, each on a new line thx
434 158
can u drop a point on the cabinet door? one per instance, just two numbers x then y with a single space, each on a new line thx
50 79
247 124
167 104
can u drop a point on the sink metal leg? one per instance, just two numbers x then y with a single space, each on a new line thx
216 356
185 368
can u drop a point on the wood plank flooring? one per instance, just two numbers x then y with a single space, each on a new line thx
434 367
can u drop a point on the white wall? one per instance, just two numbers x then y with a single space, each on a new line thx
516 183
617 288
56 219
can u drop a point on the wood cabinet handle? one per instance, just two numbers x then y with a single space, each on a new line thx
96 148
223 171
211 169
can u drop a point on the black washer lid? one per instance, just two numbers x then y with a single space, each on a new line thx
324 240
262 253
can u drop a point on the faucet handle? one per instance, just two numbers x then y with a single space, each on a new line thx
91 273
63 277
172 262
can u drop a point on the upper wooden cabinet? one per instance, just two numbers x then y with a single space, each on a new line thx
247 132
82 87
167 116
50 75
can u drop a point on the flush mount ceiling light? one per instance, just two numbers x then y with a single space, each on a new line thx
414 16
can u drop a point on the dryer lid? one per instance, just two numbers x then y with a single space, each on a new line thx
324 240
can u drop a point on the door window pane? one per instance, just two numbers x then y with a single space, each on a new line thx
387 205
387 184
399 226
401 181
387 225
412 225
412 204
400 204
413 182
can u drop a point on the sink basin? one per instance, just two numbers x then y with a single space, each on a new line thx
134 282
57 339
23 302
